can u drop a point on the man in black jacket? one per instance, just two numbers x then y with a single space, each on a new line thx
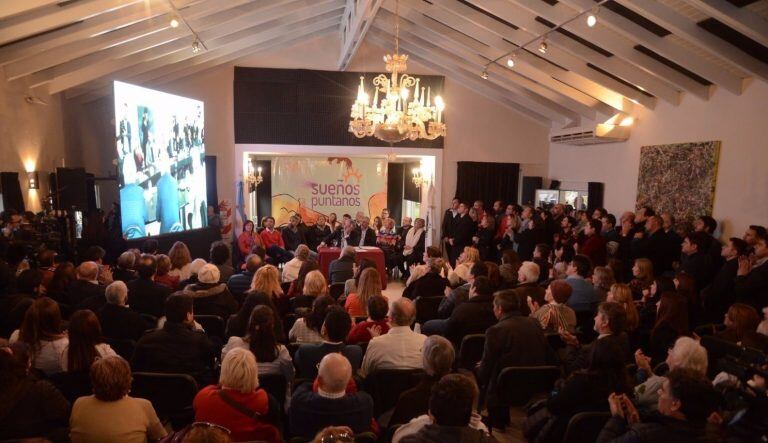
342 269
344 235
718 296
317 233
144 295
610 323
86 287
367 234
240 283
117 320
475 315
652 244
292 235
449 218
751 284
176 348
463 231
695 260
516 340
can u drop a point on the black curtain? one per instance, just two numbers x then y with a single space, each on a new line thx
395 191
211 188
11 190
487 182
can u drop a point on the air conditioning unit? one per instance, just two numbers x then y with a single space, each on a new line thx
587 135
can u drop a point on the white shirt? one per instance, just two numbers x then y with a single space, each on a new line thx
280 365
400 348
291 270
412 239
48 357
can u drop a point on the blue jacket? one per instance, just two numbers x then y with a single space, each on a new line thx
583 298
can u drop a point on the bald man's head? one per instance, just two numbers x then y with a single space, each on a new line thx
334 373
403 312
88 270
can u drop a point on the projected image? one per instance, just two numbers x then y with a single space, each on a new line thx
161 161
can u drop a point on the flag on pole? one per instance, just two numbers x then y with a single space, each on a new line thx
240 218
430 213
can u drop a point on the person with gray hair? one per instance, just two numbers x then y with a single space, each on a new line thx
86 287
342 269
367 233
291 269
438 356
124 271
117 320
401 347
331 405
687 353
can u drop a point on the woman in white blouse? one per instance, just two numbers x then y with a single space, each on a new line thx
307 328
292 268
272 357
43 331
85 344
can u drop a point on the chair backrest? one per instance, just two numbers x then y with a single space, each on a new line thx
213 325
584 427
585 322
151 320
518 384
709 329
336 290
123 347
366 437
386 385
276 385
471 350
426 308
170 394
72 384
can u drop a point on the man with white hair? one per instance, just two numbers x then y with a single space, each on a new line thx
124 270
367 234
401 347
331 405
87 286
117 320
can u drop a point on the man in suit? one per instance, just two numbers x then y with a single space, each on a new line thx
673 239
144 295
330 405
317 233
475 315
342 269
86 287
117 320
449 218
463 231
751 284
516 340
652 244
367 234
240 283
583 298
177 347
335 329
610 322
717 297
344 235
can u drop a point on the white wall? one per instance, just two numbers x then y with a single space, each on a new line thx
740 122
478 128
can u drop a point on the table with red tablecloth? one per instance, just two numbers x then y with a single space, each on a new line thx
326 255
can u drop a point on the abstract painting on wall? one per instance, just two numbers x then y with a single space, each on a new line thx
679 178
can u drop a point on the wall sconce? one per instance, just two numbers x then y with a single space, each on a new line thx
417 179
33 181
254 180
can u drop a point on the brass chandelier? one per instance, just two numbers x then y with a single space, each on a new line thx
394 118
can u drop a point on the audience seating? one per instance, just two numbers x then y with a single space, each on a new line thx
426 308
471 351
276 385
584 427
170 394
213 325
72 384
150 319
123 347
336 290
386 385
519 384
708 329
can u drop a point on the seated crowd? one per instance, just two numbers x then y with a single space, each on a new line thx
628 331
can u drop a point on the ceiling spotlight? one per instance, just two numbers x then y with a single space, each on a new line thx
174 22
592 18
511 62
196 46
484 75
543 46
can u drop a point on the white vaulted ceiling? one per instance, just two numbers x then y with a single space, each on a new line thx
640 51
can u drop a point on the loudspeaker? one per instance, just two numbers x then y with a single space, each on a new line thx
211 189
72 188
595 193
530 185
555 184
11 191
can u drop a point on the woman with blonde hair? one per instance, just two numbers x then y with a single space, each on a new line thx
464 264
621 293
314 286
181 259
267 281
369 286
642 277
292 268
238 385
163 275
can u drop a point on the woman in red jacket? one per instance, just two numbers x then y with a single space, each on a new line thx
248 239
237 402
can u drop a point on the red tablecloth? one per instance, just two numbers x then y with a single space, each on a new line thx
326 255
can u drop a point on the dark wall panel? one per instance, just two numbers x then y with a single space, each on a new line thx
303 107
11 190
395 191
530 185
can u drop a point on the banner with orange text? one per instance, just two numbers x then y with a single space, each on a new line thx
310 186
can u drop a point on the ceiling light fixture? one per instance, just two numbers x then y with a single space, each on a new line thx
484 74
174 22
196 46
543 46
592 17
511 61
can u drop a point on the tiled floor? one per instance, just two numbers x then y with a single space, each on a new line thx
514 432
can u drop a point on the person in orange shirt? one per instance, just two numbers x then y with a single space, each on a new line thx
273 242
